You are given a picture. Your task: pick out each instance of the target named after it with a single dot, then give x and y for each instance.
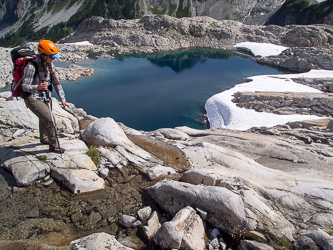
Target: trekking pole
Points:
(47, 99)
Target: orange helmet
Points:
(47, 47)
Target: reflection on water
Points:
(169, 89)
(184, 59)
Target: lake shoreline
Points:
(169, 90)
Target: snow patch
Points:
(80, 43)
(261, 49)
(223, 113)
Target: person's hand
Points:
(64, 104)
(42, 86)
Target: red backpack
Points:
(21, 56)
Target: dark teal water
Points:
(162, 90)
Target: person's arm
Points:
(28, 78)
(57, 86)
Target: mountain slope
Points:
(32, 20)
(303, 12)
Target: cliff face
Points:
(11, 12)
(252, 11)
(303, 13)
(24, 18)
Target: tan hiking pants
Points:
(46, 129)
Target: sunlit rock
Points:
(184, 231)
(159, 171)
(106, 132)
(78, 180)
(97, 241)
(173, 134)
(26, 168)
(144, 213)
(153, 225)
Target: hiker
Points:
(37, 90)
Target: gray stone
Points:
(160, 171)
(5, 94)
(127, 241)
(304, 242)
(322, 239)
(253, 245)
(113, 156)
(172, 196)
(210, 247)
(215, 233)
(194, 176)
(94, 217)
(48, 183)
(127, 220)
(173, 134)
(153, 225)
(76, 217)
(78, 180)
(25, 168)
(108, 213)
(215, 243)
(136, 224)
(97, 241)
(18, 133)
(202, 213)
(26, 119)
(186, 231)
(104, 172)
(74, 147)
(223, 245)
(106, 132)
(330, 125)
(210, 180)
(144, 213)
(306, 36)
(7, 133)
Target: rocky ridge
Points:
(263, 188)
(286, 103)
(155, 30)
(46, 15)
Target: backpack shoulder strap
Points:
(34, 63)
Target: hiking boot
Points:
(57, 150)
(46, 142)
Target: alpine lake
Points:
(160, 90)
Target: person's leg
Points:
(42, 133)
(41, 110)
(42, 129)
